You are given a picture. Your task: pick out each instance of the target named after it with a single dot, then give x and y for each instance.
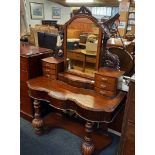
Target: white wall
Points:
(65, 12)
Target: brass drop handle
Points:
(102, 92)
(103, 86)
(47, 65)
(104, 79)
(47, 70)
(48, 75)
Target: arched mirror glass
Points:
(82, 45)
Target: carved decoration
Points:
(111, 60)
(109, 24)
(111, 28)
(83, 10)
(88, 146)
(37, 122)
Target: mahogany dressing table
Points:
(91, 93)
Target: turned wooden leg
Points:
(37, 122)
(88, 146)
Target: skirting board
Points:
(114, 132)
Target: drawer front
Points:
(105, 86)
(49, 71)
(23, 75)
(105, 92)
(48, 65)
(49, 76)
(23, 64)
(105, 79)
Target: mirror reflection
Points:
(82, 43)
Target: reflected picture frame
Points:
(36, 10)
(56, 12)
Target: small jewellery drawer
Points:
(105, 79)
(48, 65)
(50, 76)
(105, 86)
(105, 92)
(49, 71)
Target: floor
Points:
(57, 142)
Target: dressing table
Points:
(79, 84)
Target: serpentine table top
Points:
(75, 99)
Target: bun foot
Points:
(88, 146)
(38, 126)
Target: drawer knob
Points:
(103, 86)
(47, 70)
(104, 79)
(102, 92)
(47, 65)
(48, 75)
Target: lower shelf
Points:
(55, 120)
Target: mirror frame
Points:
(83, 13)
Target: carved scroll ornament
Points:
(111, 60)
(83, 10)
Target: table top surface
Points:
(87, 99)
(53, 60)
(29, 51)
